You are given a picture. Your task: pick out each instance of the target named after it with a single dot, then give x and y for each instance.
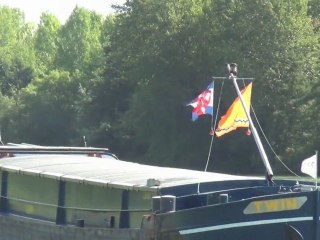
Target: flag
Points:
(235, 116)
(309, 166)
(203, 104)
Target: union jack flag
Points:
(203, 104)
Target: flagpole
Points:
(316, 169)
(209, 154)
(233, 76)
(317, 200)
(212, 107)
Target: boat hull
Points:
(97, 198)
(277, 217)
(288, 216)
(13, 227)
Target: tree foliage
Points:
(124, 82)
(46, 41)
(16, 52)
(45, 114)
(80, 46)
(176, 45)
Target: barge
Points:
(60, 193)
(94, 195)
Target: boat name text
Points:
(275, 205)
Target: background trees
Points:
(124, 81)
(46, 42)
(16, 55)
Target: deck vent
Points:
(112, 221)
(223, 198)
(80, 223)
(156, 204)
(167, 203)
(151, 182)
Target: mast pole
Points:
(316, 169)
(233, 76)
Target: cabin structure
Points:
(93, 188)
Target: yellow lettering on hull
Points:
(275, 205)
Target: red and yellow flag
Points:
(235, 116)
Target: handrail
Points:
(35, 149)
(49, 149)
(75, 208)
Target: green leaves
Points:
(46, 41)
(46, 109)
(80, 46)
(165, 51)
(123, 82)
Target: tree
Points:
(79, 48)
(161, 55)
(16, 52)
(150, 53)
(45, 111)
(46, 41)
(80, 51)
(314, 13)
(103, 101)
(274, 42)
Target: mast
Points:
(316, 169)
(232, 68)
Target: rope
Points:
(71, 207)
(267, 141)
(271, 148)
(209, 154)
(213, 126)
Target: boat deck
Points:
(109, 171)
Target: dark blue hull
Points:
(97, 198)
(277, 217)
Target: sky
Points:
(60, 8)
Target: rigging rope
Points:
(268, 142)
(213, 126)
(271, 148)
